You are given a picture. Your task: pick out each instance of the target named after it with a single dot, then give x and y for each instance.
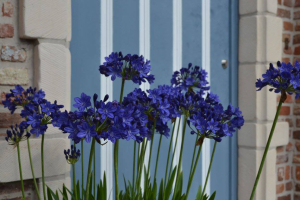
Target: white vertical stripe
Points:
(144, 45)
(106, 87)
(177, 61)
(206, 65)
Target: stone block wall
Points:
(34, 42)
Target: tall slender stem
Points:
(116, 150)
(151, 146)
(157, 157)
(169, 151)
(266, 149)
(87, 191)
(20, 170)
(181, 148)
(74, 181)
(193, 159)
(32, 170)
(178, 128)
(43, 169)
(192, 172)
(209, 168)
(133, 171)
(94, 161)
(82, 170)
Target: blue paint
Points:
(191, 53)
(224, 83)
(85, 51)
(125, 39)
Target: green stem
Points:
(116, 150)
(193, 159)
(192, 172)
(94, 173)
(20, 170)
(87, 191)
(181, 149)
(74, 181)
(32, 170)
(209, 168)
(178, 128)
(151, 146)
(82, 170)
(266, 149)
(141, 163)
(157, 157)
(133, 171)
(43, 169)
(169, 151)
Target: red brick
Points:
(286, 60)
(297, 144)
(288, 51)
(287, 172)
(13, 54)
(2, 97)
(7, 119)
(288, 26)
(296, 159)
(279, 188)
(286, 197)
(289, 147)
(290, 121)
(6, 31)
(296, 39)
(297, 3)
(7, 9)
(288, 3)
(296, 110)
(281, 159)
(285, 110)
(286, 36)
(296, 197)
(296, 135)
(297, 187)
(297, 15)
(279, 1)
(283, 13)
(280, 149)
(289, 186)
(298, 173)
(280, 173)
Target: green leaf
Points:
(52, 194)
(199, 192)
(213, 195)
(161, 190)
(65, 194)
(168, 190)
(49, 194)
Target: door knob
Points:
(224, 63)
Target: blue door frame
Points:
(85, 51)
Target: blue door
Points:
(171, 33)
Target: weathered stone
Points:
(12, 76)
(13, 54)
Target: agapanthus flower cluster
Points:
(189, 78)
(37, 111)
(210, 119)
(102, 120)
(160, 106)
(129, 67)
(284, 79)
(17, 133)
(72, 155)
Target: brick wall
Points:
(34, 51)
(288, 157)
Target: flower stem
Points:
(157, 157)
(82, 170)
(43, 169)
(151, 146)
(20, 170)
(169, 151)
(32, 170)
(181, 148)
(87, 191)
(178, 127)
(209, 168)
(116, 150)
(193, 159)
(266, 149)
(133, 171)
(94, 161)
(74, 181)
(193, 169)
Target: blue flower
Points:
(34, 120)
(17, 134)
(72, 155)
(86, 131)
(47, 108)
(38, 129)
(107, 110)
(18, 90)
(83, 102)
